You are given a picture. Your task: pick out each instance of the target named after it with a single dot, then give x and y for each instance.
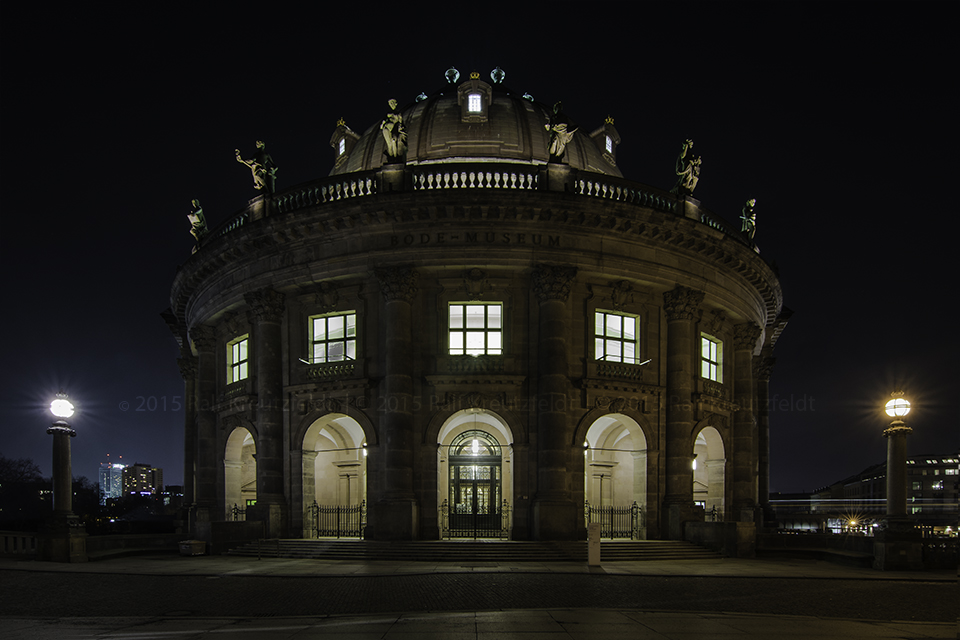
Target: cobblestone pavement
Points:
(28, 594)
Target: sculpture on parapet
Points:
(561, 133)
(749, 218)
(394, 134)
(688, 170)
(198, 223)
(263, 168)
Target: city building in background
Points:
(142, 480)
(111, 480)
(858, 503)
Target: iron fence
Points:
(337, 521)
(615, 522)
(467, 524)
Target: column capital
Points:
(398, 283)
(681, 303)
(763, 368)
(188, 365)
(553, 282)
(266, 305)
(745, 335)
(203, 337)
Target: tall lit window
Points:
(615, 337)
(476, 329)
(343, 145)
(711, 358)
(238, 360)
(474, 103)
(609, 144)
(333, 337)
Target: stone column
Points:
(265, 315)
(681, 306)
(188, 369)
(745, 453)
(205, 444)
(898, 544)
(554, 513)
(308, 466)
(394, 516)
(763, 367)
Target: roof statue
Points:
(263, 168)
(498, 75)
(749, 218)
(198, 223)
(560, 133)
(394, 134)
(452, 75)
(688, 170)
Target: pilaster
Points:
(745, 451)
(188, 369)
(762, 369)
(681, 306)
(554, 513)
(265, 314)
(205, 447)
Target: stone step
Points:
(472, 551)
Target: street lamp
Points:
(63, 539)
(896, 434)
(61, 431)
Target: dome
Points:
(498, 125)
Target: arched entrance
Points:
(334, 477)
(709, 464)
(615, 476)
(239, 473)
(475, 476)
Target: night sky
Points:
(839, 118)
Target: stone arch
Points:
(239, 470)
(463, 421)
(615, 462)
(709, 472)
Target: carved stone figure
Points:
(561, 133)
(687, 170)
(263, 168)
(394, 134)
(749, 218)
(198, 223)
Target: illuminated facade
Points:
(472, 340)
(111, 481)
(142, 479)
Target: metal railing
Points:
(495, 524)
(336, 520)
(615, 522)
(237, 514)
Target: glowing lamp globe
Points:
(61, 407)
(897, 407)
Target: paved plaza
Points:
(222, 597)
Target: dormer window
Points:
(343, 146)
(607, 138)
(474, 97)
(609, 144)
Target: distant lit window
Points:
(937, 486)
(474, 103)
(333, 337)
(609, 144)
(615, 337)
(343, 145)
(475, 329)
(916, 486)
(238, 360)
(916, 509)
(711, 358)
(951, 472)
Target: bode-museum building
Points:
(474, 326)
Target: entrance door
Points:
(475, 486)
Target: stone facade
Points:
(288, 407)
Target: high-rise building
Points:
(142, 479)
(111, 480)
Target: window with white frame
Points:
(333, 337)
(475, 103)
(616, 337)
(711, 358)
(475, 328)
(238, 359)
(609, 144)
(342, 146)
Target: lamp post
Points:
(64, 538)
(898, 544)
(62, 466)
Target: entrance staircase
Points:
(460, 551)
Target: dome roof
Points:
(503, 126)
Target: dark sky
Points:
(839, 118)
